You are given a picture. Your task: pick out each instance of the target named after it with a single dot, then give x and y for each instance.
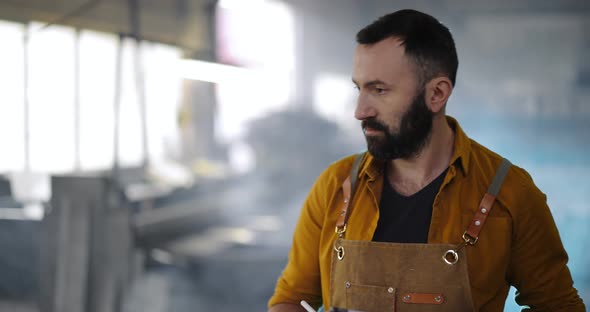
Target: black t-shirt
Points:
(406, 219)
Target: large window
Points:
(59, 98)
(245, 39)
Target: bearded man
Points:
(427, 219)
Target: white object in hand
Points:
(306, 306)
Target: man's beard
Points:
(414, 131)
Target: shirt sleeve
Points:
(538, 264)
(300, 280)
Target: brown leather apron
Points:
(381, 277)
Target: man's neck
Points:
(408, 176)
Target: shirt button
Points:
(390, 290)
(347, 284)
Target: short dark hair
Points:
(427, 42)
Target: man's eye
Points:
(380, 90)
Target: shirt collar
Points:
(461, 146)
(461, 153)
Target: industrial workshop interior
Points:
(156, 153)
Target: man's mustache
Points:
(373, 124)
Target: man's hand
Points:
(286, 307)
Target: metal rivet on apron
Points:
(407, 297)
(437, 298)
(477, 223)
(451, 257)
(347, 284)
(390, 290)
(483, 210)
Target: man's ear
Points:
(438, 90)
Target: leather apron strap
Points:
(348, 188)
(487, 202)
(471, 235)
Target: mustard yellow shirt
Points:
(519, 244)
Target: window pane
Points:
(51, 97)
(12, 157)
(130, 146)
(98, 54)
(162, 86)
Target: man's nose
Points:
(364, 109)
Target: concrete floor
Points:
(15, 306)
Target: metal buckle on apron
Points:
(339, 252)
(451, 256)
(340, 230)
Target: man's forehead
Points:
(384, 60)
